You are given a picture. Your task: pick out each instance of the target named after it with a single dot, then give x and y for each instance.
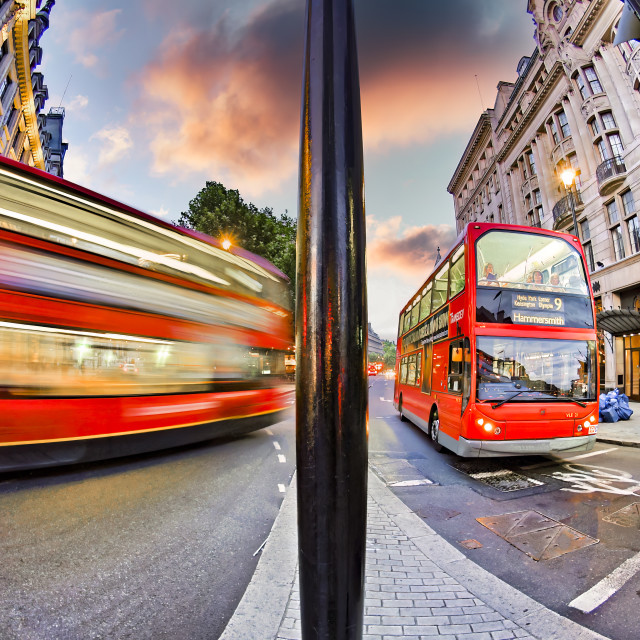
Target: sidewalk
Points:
(623, 432)
(417, 586)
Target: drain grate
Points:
(627, 517)
(497, 477)
(537, 535)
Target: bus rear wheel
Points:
(402, 418)
(434, 430)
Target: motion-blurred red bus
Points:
(120, 333)
(497, 350)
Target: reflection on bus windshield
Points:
(535, 369)
(529, 261)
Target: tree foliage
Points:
(389, 356)
(222, 213)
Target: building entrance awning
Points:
(619, 322)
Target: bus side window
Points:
(466, 373)
(418, 367)
(403, 370)
(454, 379)
(428, 362)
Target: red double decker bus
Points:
(121, 334)
(496, 351)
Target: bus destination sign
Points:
(541, 308)
(434, 329)
(535, 308)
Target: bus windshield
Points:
(535, 369)
(529, 261)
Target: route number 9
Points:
(558, 303)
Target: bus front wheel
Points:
(434, 430)
(402, 418)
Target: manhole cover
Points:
(471, 544)
(627, 517)
(537, 535)
(497, 477)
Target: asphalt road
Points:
(157, 546)
(593, 498)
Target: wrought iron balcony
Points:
(610, 174)
(562, 208)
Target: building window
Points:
(616, 144)
(554, 131)
(532, 163)
(581, 86)
(584, 230)
(603, 150)
(4, 87)
(628, 203)
(618, 246)
(595, 127)
(588, 252)
(607, 120)
(592, 79)
(564, 124)
(537, 196)
(634, 234)
(612, 210)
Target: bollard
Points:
(331, 331)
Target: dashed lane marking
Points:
(608, 586)
(277, 446)
(281, 458)
(556, 460)
(281, 488)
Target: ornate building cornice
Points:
(480, 134)
(23, 68)
(532, 110)
(579, 34)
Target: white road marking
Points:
(410, 483)
(277, 446)
(584, 455)
(281, 458)
(260, 548)
(281, 488)
(602, 591)
(592, 453)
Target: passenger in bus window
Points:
(488, 272)
(537, 280)
(554, 282)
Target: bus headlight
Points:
(487, 426)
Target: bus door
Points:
(450, 402)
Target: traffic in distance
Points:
(121, 333)
(496, 352)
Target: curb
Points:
(620, 443)
(527, 613)
(263, 606)
(260, 612)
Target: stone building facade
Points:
(576, 102)
(375, 343)
(26, 134)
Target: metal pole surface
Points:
(573, 208)
(331, 331)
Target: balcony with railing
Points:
(610, 174)
(562, 215)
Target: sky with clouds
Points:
(161, 96)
